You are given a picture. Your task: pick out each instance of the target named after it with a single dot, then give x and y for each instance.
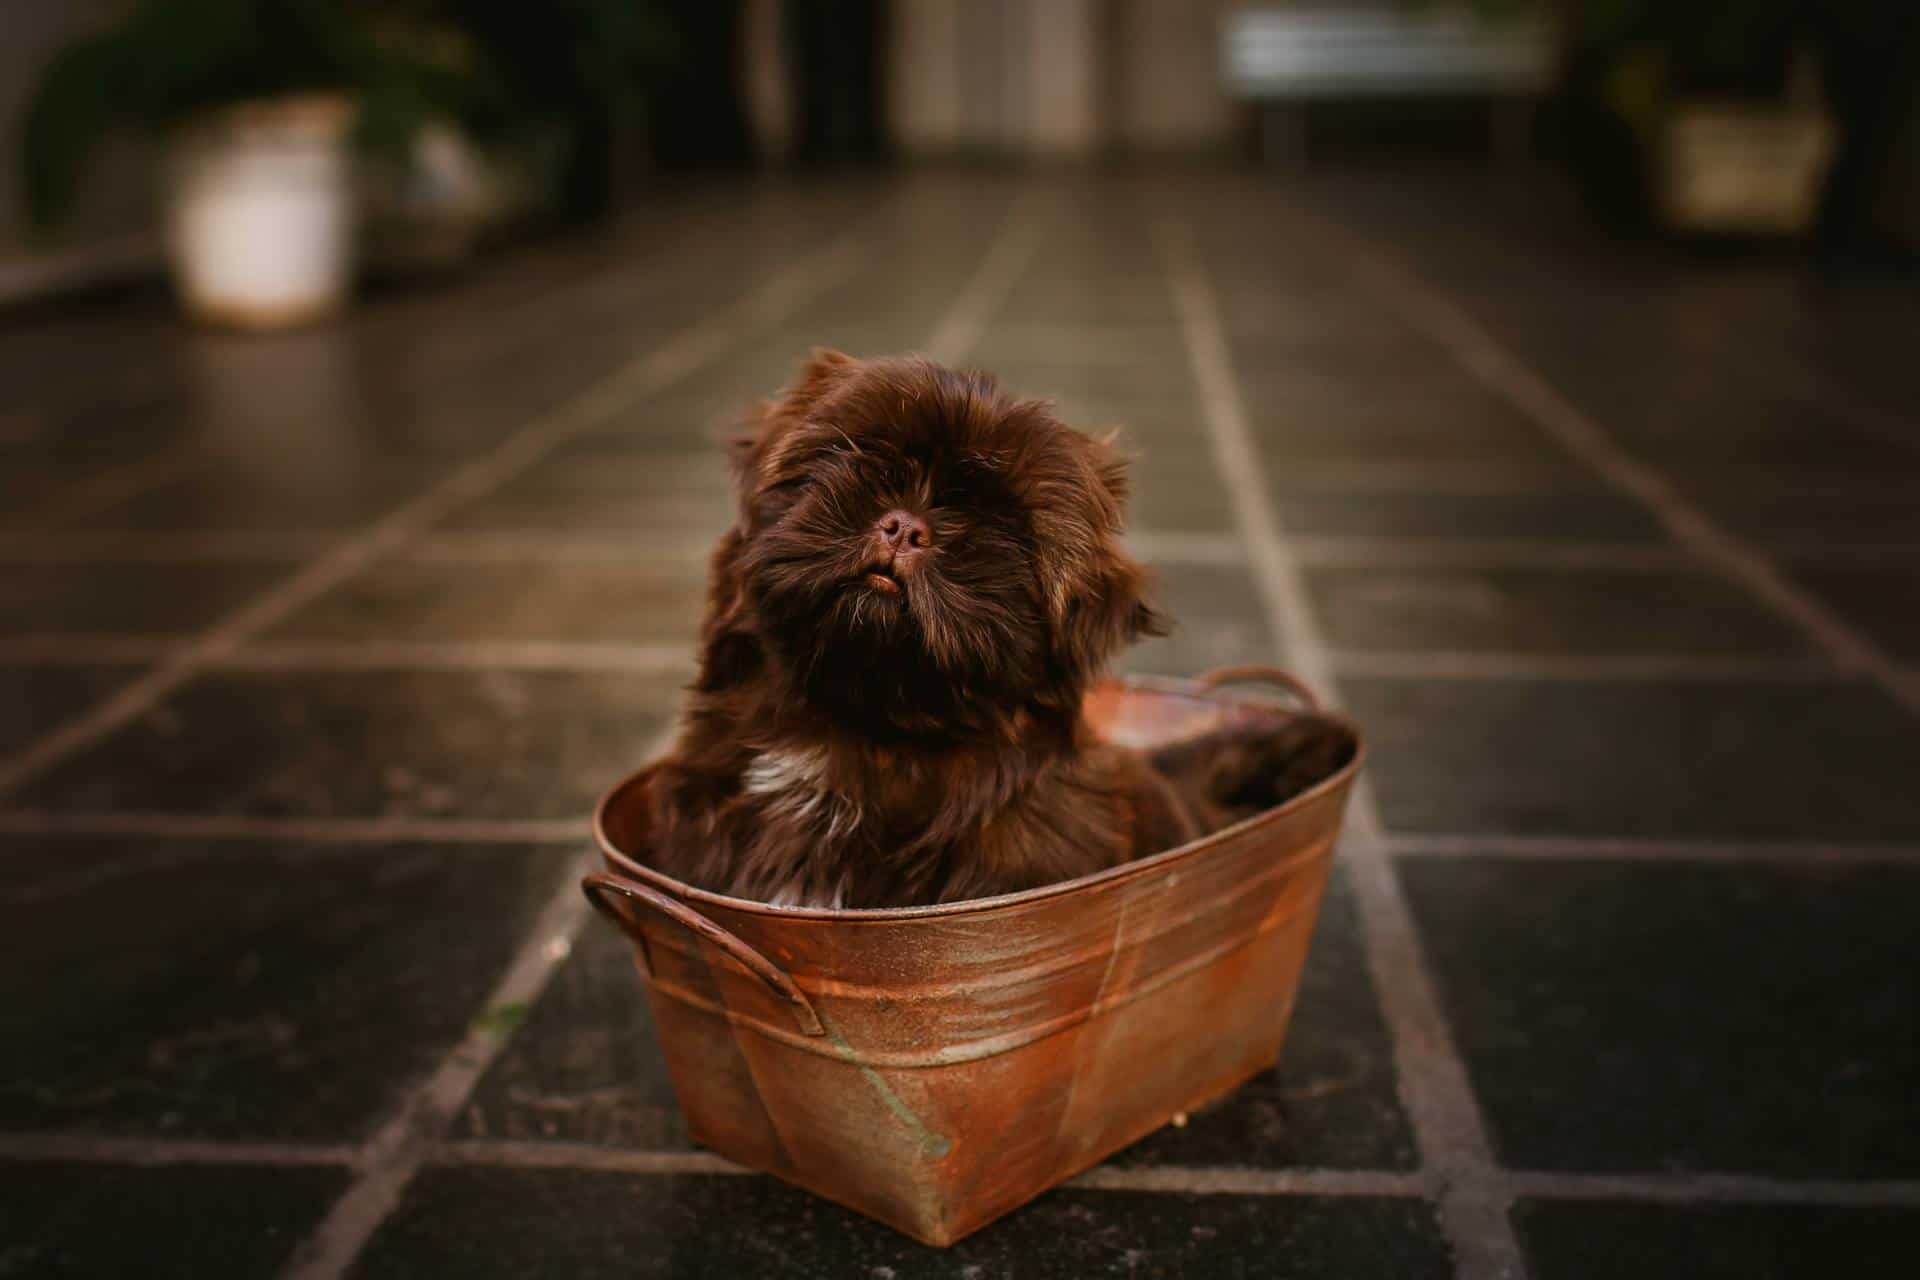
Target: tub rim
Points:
(1192, 689)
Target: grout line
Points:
(689, 349)
(1217, 549)
(1123, 345)
(395, 1153)
(138, 824)
(643, 659)
(672, 660)
(87, 1148)
(1482, 479)
(1448, 324)
(666, 547)
(1716, 1188)
(1832, 553)
(403, 1144)
(87, 649)
(965, 320)
(349, 655)
(221, 546)
(485, 547)
(116, 484)
(217, 826)
(1446, 664)
(451, 546)
(1743, 480)
(1236, 1181)
(561, 1155)
(1790, 370)
(1433, 1081)
(475, 546)
(1487, 553)
(1620, 849)
(1665, 1188)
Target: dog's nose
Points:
(904, 533)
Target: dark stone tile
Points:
(1141, 299)
(1218, 621)
(32, 487)
(692, 426)
(22, 492)
(1798, 518)
(653, 599)
(1131, 350)
(152, 599)
(1303, 415)
(293, 490)
(1315, 475)
(1817, 475)
(1696, 1017)
(1284, 446)
(1164, 381)
(1733, 761)
(1570, 517)
(1323, 331)
(1150, 433)
(243, 989)
(861, 326)
(1593, 1240)
(35, 699)
(458, 744)
(78, 1220)
(1178, 491)
(1310, 393)
(734, 387)
(499, 1222)
(685, 495)
(1726, 422)
(586, 1066)
(106, 430)
(1884, 602)
(1542, 610)
(1332, 1102)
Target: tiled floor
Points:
(315, 650)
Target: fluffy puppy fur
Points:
(924, 577)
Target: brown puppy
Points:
(923, 579)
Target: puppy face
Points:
(918, 547)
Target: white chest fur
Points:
(791, 785)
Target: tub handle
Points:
(598, 885)
(1256, 673)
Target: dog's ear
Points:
(1114, 466)
(754, 449)
(1110, 611)
(824, 369)
(729, 646)
(1097, 596)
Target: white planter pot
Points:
(1735, 167)
(260, 205)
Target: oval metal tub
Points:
(936, 1067)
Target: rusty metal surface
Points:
(936, 1067)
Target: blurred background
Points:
(1733, 117)
(1534, 376)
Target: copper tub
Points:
(936, 1067)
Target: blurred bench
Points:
(1280, 58)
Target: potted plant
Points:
(260, 106)
(1714, 105)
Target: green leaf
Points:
(503, 1019)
